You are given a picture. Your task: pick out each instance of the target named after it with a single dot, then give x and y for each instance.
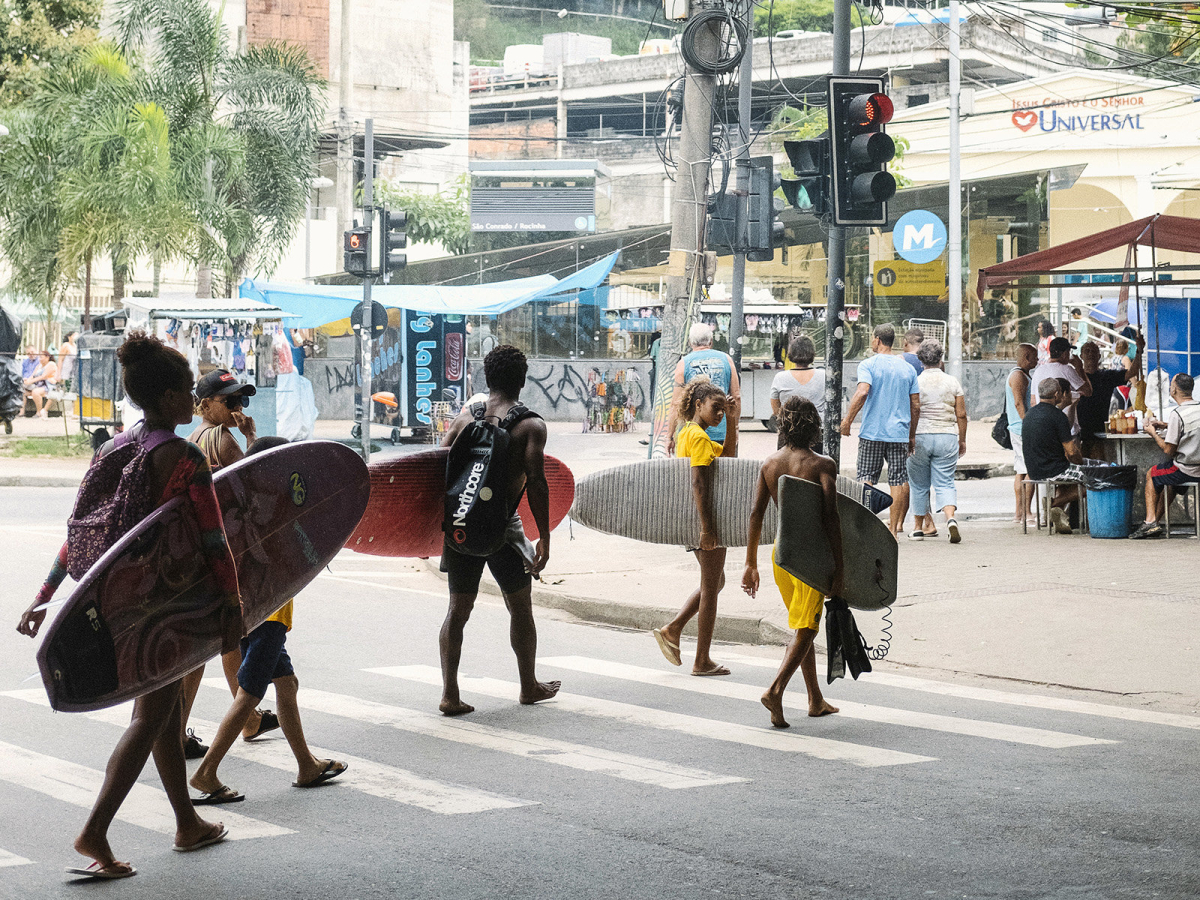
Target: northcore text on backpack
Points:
(477, 507)
(114, 497)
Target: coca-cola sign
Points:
(455, 355)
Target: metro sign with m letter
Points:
(919, 237)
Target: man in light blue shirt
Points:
(717, 367)
(889, 399)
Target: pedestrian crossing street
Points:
(65, 782)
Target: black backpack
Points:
(477, 508)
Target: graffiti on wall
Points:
(603, 398)
(340, 378)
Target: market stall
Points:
(242, 335)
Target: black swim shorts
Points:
(264, 658)
(463, 571)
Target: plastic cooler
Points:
(1110, 499)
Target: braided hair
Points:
(696, 392)
(799, 424)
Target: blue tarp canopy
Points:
(319, 304)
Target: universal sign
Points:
(1053, 120)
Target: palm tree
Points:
(244, 128)
(120, 195)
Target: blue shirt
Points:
(917, 365)
(28, 366)
(887, 413)
(716, 366)
(1014, 418)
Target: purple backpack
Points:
(114, 497)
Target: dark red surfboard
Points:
(146, 613)
(404, 515)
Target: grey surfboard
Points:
(652, 501)
(869, 551)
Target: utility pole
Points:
(689, 203)
(742, 192)
(835, 298)
(368, 326)
(954, 340)
(345, 127)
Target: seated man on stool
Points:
(1182, 448)
(1051, 453)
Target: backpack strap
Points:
(518, 412)
(157, 439)
(479, 411)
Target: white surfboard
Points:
(652, 501)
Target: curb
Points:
(734, 629)
(38, 481)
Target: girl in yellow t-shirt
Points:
(702, 404)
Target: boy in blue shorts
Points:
(264, 661)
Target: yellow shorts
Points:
(804, 603)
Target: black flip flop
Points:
(223, 794)
(268, 721)
(332, 769)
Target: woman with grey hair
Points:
(931, 465)
(803, 381)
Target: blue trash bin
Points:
(1110, 499)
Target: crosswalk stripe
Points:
(713, 729)
(562, 753)
(367, 776)
(375, 584)
(11, 859)
(991, 695)
(78, 785)
(997, 731)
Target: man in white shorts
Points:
(1016, 404)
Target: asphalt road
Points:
(639, 782)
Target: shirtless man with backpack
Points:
(497, 453)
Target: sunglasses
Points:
(236, 401)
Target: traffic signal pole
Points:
(366, 332)
(835, 297)
(954, 339)
(742, 192)
(689, 201)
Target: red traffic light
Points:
(871, 110)
(354, 241)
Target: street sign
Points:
(919, 236)
(900, 278)
(379, 318)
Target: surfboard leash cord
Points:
(880, 650)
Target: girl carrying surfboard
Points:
(159, 380)
(703, 405)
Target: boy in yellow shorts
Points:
(799, 429)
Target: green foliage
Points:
(797, 15)
(443, 218)
(244, 128)
(39, 35)
(76, 446)
(85, 172)
(490, 31)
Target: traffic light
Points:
(394, 239)
(809, 190)
(356, 259)
(860, 151)
(765, 232)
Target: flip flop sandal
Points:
(268, 721)
(223, 794)
(206, 842)
(669, 650)
(715, 670)
(104, 873)
(332, 769)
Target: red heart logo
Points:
(1024, 120)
